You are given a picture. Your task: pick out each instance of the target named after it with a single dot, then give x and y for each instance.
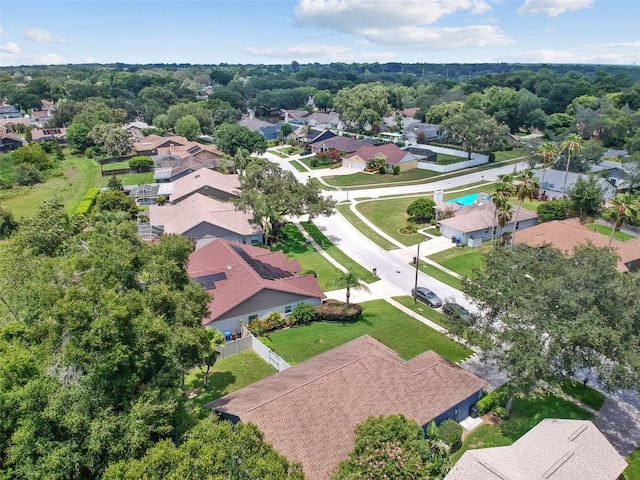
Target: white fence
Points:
(476, 159)
(628, 229)
(249, 342)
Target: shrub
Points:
(409, 229)
(450, 432)
(27, 174)
(274, 321)
(489, 402)
(139, 162)
(161, 200)
(314, 162)
(492, 157)
(302, 314)
(383, 170)
(335, 311)
(501, 412)
(396, 170)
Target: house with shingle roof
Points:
(49, 134)
(568, 234)
(207, 182)
(204, 218)
(309, 412)
(412, 131)
(248, 282)
(555, 449)
(10, 125)
(340, 143)
(554, 181)
(150, 144)
(390, 153)
(474, 219)
(10, 141)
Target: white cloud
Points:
(2, 32)
(7, 59)
(552, 8)
(563, 56)
(352, 16)
(616, 46)
(41, 36)
(316, 52)
(10, 47)
(405, 24)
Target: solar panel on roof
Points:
(194, 149)
(209, 281)
(266, 271)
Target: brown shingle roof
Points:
(552, 450)
(481, 215)
(391, 152)
(309, 412)
(242, 281)
(567, 234)
(344, 144)
(199, 209)
(204, 177)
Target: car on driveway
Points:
(453, 309)
(427, 296)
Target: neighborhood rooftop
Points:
(309, 412)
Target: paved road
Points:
(619, 418)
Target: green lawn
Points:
(379, 240)
(462, 260)
(390, 216)
(422, 309)
(632, 472)
(298, 166)
(360, 179)
(337, 254)
(605, 230)
(307, 162)
(130, 179)
(227, 376)
(526, 414)
(444, 159)
(438, 274)
(69, 183)
(294, 246)
(404, 334)
(115, 166)
(587, 395)
(277, 153)
(507, 155)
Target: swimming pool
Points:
(468, 199)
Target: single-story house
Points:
(324, 120)
(208, 182)
(340, 143)
(423, 154)
(320, 135)
(204, 218)
(150, 144)
(474, 219)
(413, 130)
(618, 173)
(170, 167)
(253, 124)
(48, 134)
(249, 282)
(10, 125)
(136, 129)
(390, 153)
(295, 116)
(9, 142)
(553, 183)
(568, 234)
(309, 412)
(555, 449)
(9, 111)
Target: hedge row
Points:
(88, 201)
(494, 402)
(330, 311)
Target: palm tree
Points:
(504, 215)
(549, 151)
(350, 280)
(216, 339)
(525, 188)
(573, 146)
(241, 160)
(624, 209)
(503, 190)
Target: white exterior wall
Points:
(484, 234)
(233, 323)
(346, 162)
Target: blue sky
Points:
(323, 31)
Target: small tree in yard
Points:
(216, 339)
(350, 280)
(140, 162)
(421, 210)
(114, 183)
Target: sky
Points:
(280, 31)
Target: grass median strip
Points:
(337, 254)
(298, 166)
(404, 334)
(379, 240)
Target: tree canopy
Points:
(550, 316)
(229, 138)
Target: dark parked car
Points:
(306, 151)
(453, 309)
(427, 296)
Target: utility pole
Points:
(415, 286)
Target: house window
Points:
(287, 309)
(517, 225)
(253, 317)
